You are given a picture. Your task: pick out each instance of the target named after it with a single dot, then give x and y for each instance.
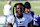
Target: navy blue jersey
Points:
(38, 19)
(32, 13)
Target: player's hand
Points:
(8, 25)
(35, 19)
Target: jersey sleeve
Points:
(32, 13)
(10, 9)
(30, 19)
(10, 19)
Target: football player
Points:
(21, 19)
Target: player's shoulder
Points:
(28, 17)
(27, 14)
(32, 11)
(10, 16)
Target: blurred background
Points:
(35, 6)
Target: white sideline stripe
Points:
(35, 1)
(37, 7)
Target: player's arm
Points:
(32, 13)
(35, 19)
(30, 24)
(10, 10)
(10, 20)
(9, 25)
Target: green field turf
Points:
(35, 6)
